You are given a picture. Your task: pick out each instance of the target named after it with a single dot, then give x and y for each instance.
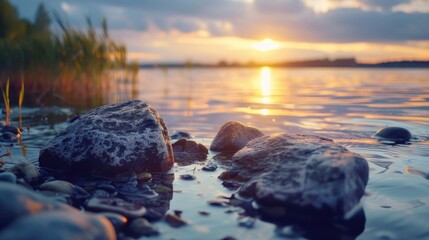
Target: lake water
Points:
(346, 105)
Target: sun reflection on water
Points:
(266, 85)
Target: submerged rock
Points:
(115, 205)
(7, 177)
(299, 175)
(53, 225)
(112, 139)
(233, 136)
(180, 135)
(141, 227)
(393, 134)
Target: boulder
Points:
(53, 225)
(110, 140)
(299, 175)
(233, 136)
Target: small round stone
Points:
(117, 220)
(144, 177)
(188, 177)
(141, 227)
(209, 167)
(393, 134)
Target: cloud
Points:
(384, 4)
(290, 20)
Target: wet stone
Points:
(117, 220)
(110, 140)
(298, 174)
(187, 151)
(209, 167)
(107, 187)
(217, 203)
(396, 135)
(7, 177)
(141, 227)
(188, 177)
(116, 205)
(59, 224)
(233, 136)
(174, 220)
(62, 187)
(144, 177)
(247, 222)
(26, 170)
(204, 213)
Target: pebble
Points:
(144, 177)
(204, 213)
(7, 177)
(187, 177)
(26, 170)
(117, 220)
(217, 203)
(247, 222)
(141, 227)
(63, 187)
(107, 187)
(174, 221)
(116, 205)
(209, 167)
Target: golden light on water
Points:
(266, 45)
(266, 84)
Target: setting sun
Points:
(265, 45)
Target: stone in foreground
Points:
(112, 139)
(299, 175)
(53, 225)
(233, 136)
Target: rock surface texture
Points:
(233, 136)
(112, 139)
(296, 174)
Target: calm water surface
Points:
(347, 105)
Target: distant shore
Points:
(341, 62)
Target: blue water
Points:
(346, 105)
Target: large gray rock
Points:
(54, 225)
(233, 136)
(288, 174)
(112, 139)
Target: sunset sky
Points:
(255, 30)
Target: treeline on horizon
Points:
(70, 61)
(324, 62)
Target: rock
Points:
(116, 205)
(8, 137)
(188, 151)
(393, 134)
(174, 221)
(26, 170)
(110, 140)
(187, 177)
(209, 167)
(141, 227)
(60, 186)
(107, 187)
(299, 175)
(17, 201)
(7, 177)
(233, 136)
(53, 225)
(144, 177)
(11, 129)
(180, 135)
(117, 220)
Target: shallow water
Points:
(347, 105)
